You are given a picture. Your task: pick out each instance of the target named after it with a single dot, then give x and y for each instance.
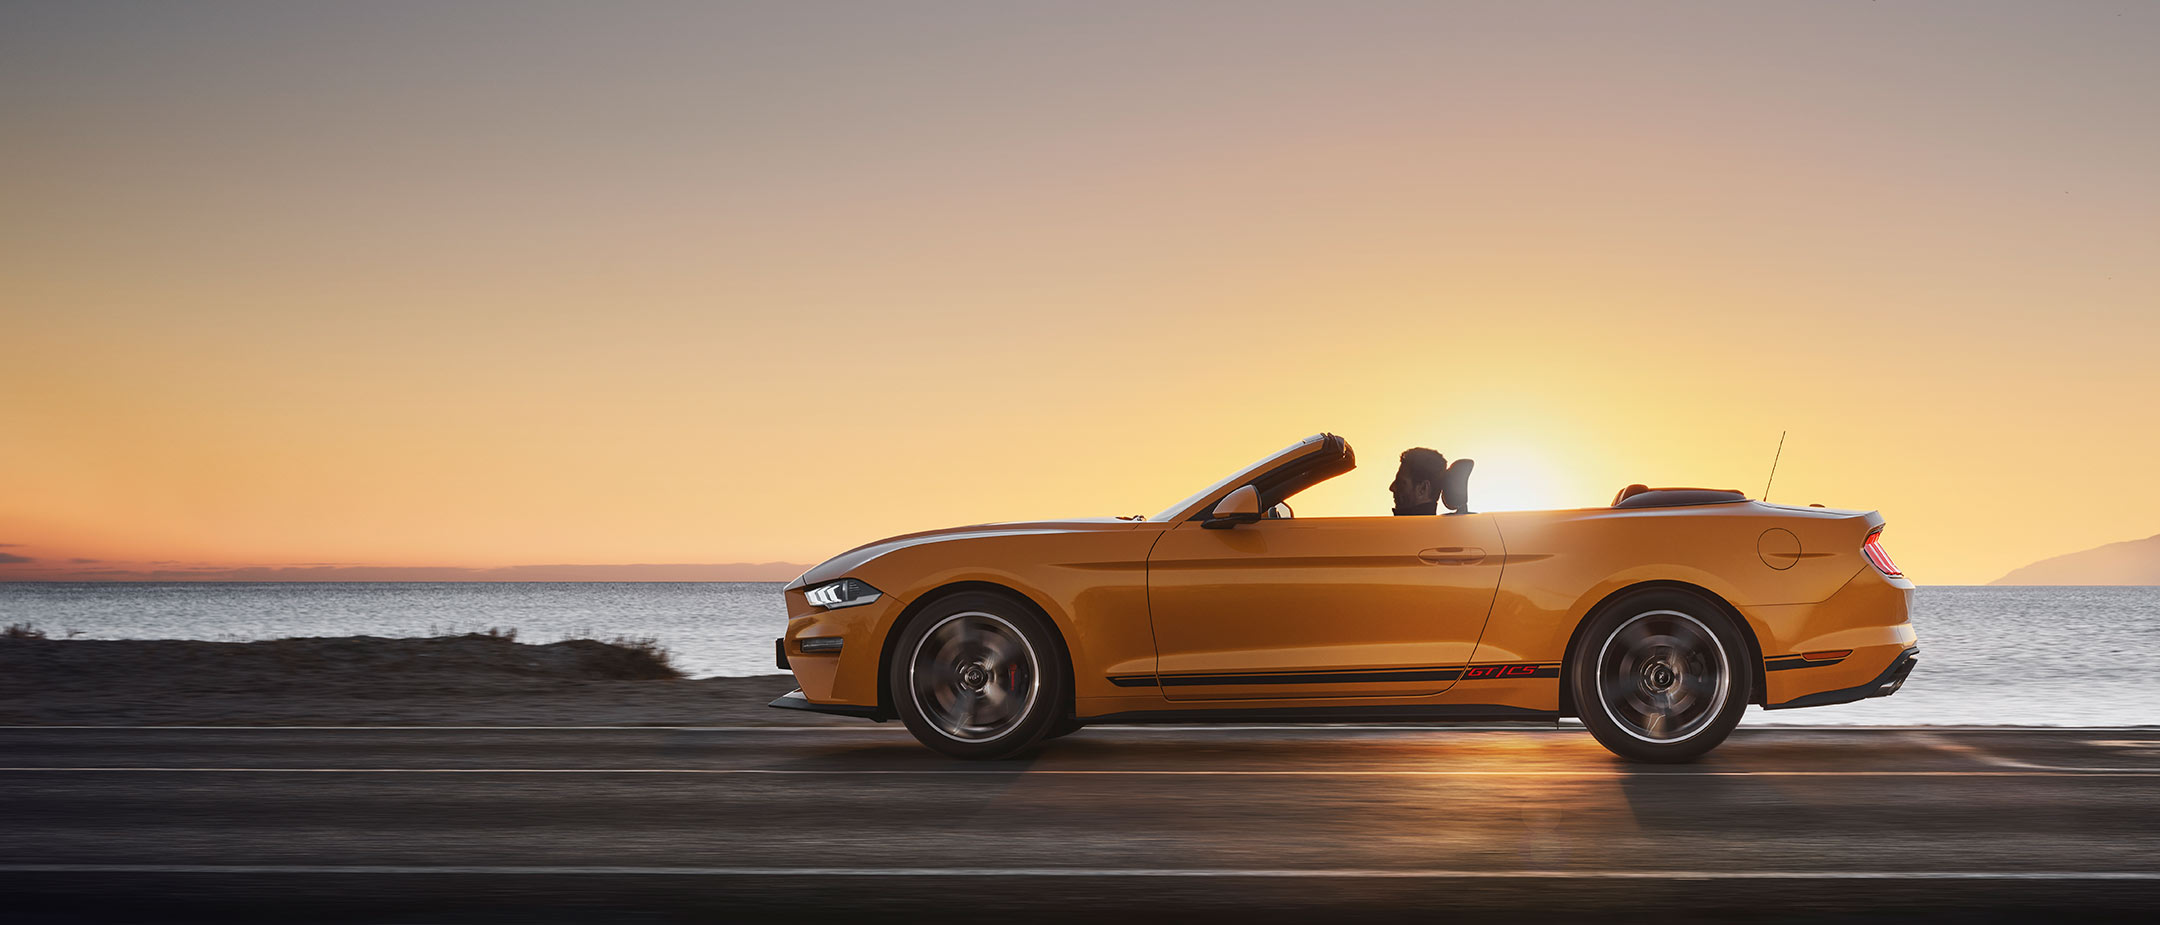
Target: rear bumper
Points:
(1815, 652)
(1883, 685)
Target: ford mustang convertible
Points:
(1656, 620)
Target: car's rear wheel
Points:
(1660, 676)
(978, 675)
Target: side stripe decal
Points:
(1480, 672)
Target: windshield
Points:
(1245, 473)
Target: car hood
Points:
(839, 566)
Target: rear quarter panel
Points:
(1562, 564)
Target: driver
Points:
(1417, 481)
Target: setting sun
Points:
(356, 291)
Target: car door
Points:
(1320, 607)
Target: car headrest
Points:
(1455, 486)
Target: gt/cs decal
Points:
(1525, 670)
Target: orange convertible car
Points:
(1656, 620)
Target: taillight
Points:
(1877, 557)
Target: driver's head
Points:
(1417, 481)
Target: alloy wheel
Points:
(1662, 676)
(974, 677)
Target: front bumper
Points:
(794, 700)
(834, 653)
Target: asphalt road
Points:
(1261, 823)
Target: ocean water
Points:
(1988, 655)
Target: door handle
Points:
(1452, 555)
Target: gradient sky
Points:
(489, 284)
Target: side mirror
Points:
(1238, 507)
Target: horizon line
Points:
(553, 572)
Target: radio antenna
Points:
(1773, 465)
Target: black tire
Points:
(1065, 726)
(1661, 676)
(978, 675)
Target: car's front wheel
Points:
(1660, 676)
(977, 675)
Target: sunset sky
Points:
(498, 284)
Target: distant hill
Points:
(2134, 562)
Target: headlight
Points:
(847, 592)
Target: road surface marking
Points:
(652, 728)
(1148, 872)
(1442, 727)
(1101, 772)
